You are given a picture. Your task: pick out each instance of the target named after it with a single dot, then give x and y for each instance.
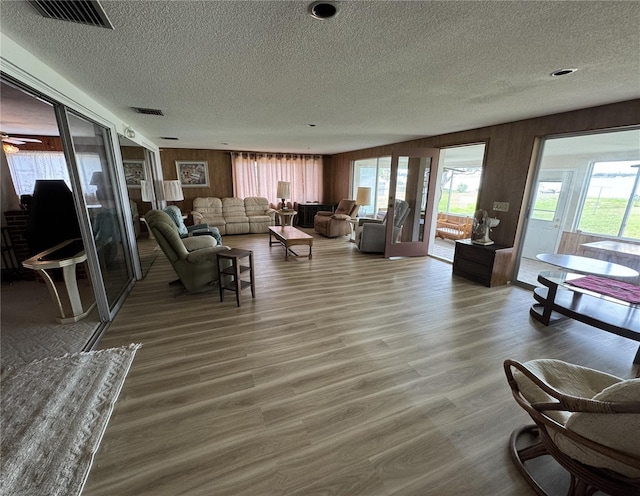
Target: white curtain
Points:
(27, 167)
(257, 174)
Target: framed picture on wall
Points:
(194, 174)
(133, 172)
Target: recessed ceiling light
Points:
(562, 72)
(323, 10)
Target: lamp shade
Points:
(363, 196)
(97, 178)
(8, 148)
(146, 188)
(172, 191)
(284, 190)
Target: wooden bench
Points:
(451, 226)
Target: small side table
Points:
(144, 221)
(65, 256)
(354, 229)
(230, 277)
(286, 217)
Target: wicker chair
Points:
(588, 421)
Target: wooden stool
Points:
(232, 273)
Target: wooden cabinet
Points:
(488, 265)
(306, 212)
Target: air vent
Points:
(88, 12)
(169, 138)
(147, 111)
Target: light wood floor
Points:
(348, 375)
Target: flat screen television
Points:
(52, 215)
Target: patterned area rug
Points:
(54, 413)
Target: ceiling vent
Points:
(147, 111)
(88, 12)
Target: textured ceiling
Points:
(254, 74)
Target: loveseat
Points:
(234, 215)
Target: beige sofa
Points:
(234, 215)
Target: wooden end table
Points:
(230, 277)
(286, 217)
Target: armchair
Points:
(197, 230)
(587, 421)
(371, 233)
(193, 259)
(333, 224)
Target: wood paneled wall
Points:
(220, 178)
(508, 156)
(49, 144)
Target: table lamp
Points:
(284, 192)
(97, 180)
(363, 197)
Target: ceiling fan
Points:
(18, 140)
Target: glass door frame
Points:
(105, 312)
(412, 248)
(61, 104)
(537, 156)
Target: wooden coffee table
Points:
(288, 236)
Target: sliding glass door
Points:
(96, 180)
(374, 173)
(70, 161)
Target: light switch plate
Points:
(501, 206)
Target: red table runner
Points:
(609, 287)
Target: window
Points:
(611, 204)
(257, 174)
(27, 167)
(374, 173)
(547, 200)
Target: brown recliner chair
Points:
(333, 224)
